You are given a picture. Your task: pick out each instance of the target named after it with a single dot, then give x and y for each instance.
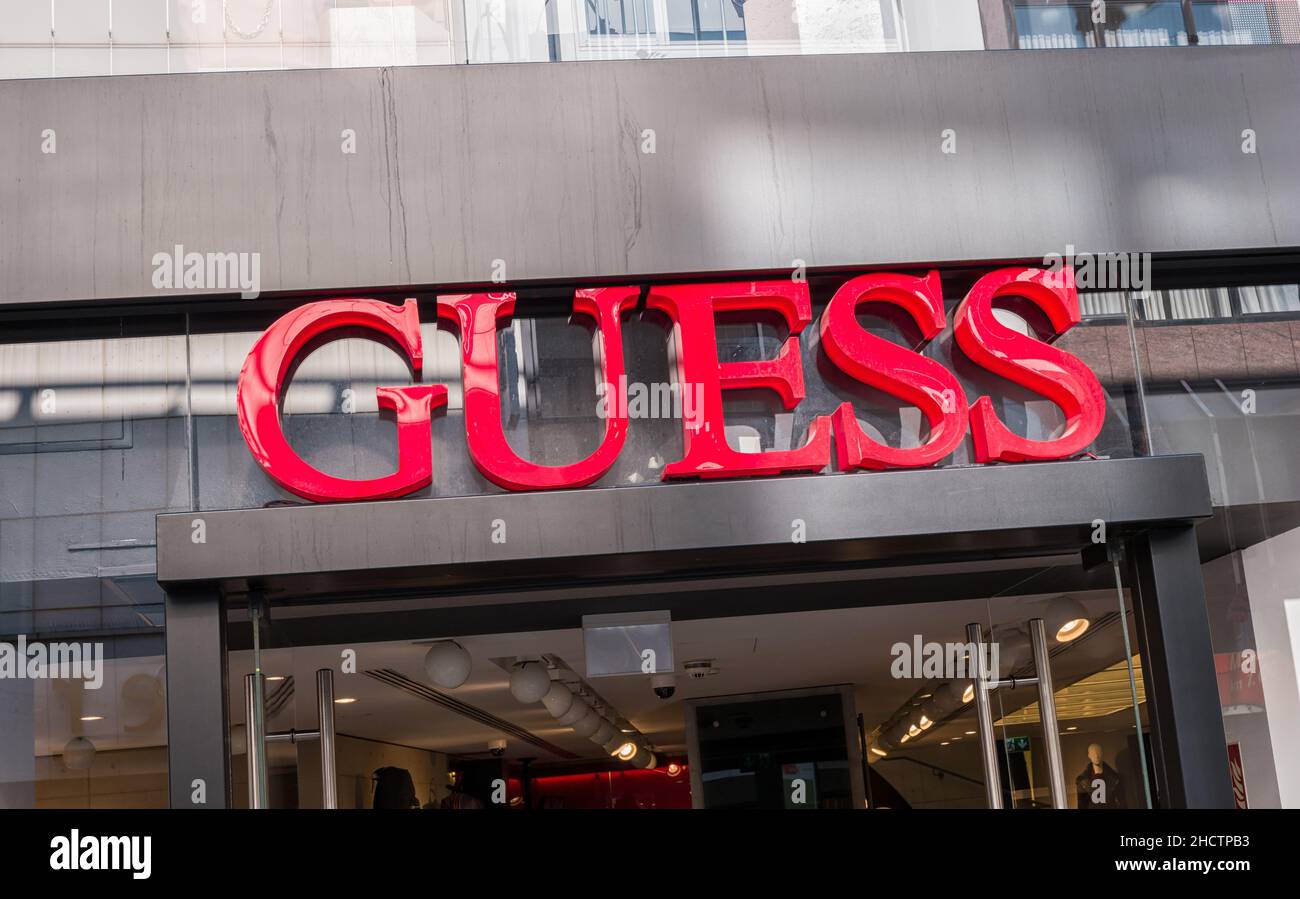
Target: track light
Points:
(1066, 618)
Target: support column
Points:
(1191, 758)
(198, 743)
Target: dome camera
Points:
(497, 747)
(664, 685)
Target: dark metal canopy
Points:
(679, 529)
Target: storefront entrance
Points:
(828, 669)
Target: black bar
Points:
(198, 744)
(1191, 769)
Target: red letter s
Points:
(1032, 364)
(899, 372)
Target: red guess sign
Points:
(902, 373)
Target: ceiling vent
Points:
(700, 669)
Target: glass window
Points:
(1227, 385)
(93, 444)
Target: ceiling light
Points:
(970, 733)
(577, 709)
(925, 723)
(969, 693)
(587, 724)
(1066, 618)
(674, 769)
(558, 699)
(78, 754)
(878, 751)
(92, 717)
(345, 700)
(626, 751)
(529, 682)
(447, 664)
(274, 677)
(914, 731)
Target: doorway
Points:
(854, 688)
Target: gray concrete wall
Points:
(835, 160)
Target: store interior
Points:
(765, 706)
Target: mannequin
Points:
(1099, 784)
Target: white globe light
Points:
(447, 664)
(78, 754)
(529, 682)
(558, 699)
(587, 724)
(578, 709)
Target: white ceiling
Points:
(753, 654)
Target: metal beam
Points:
(1191, 769)
(667, 528)
(198, 745)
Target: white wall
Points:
(1272, 571)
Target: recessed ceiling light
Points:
(970, 733)
(1072, 727)
(345, 700)
(944, 743)
(92, 717)
(271, 677)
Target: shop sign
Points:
(898, 371)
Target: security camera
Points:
(497, 747)
(664, 685)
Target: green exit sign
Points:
(1017, 744)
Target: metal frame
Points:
(854, 521)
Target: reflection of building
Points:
(133, 513)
